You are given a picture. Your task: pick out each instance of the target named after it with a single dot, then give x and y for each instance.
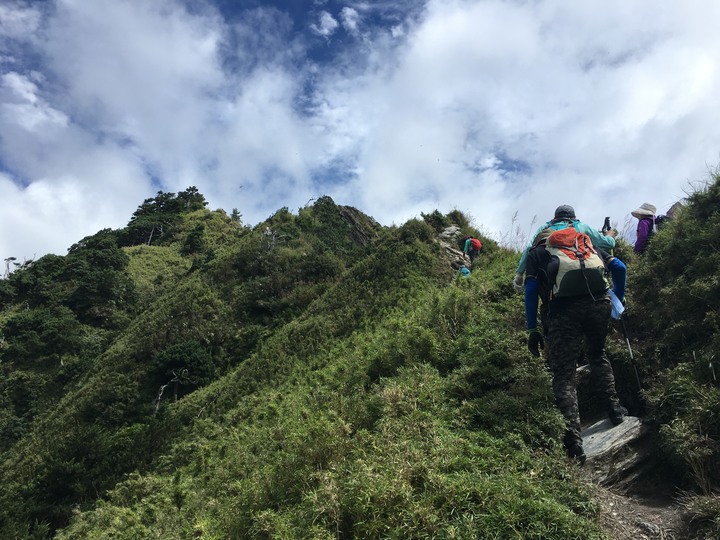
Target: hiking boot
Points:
(574, 447)
(575, 451)
(617, 414)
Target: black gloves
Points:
(535, 342)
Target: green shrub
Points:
(676, 284)
(436, 220)
(190, 359)
(40, 337)
(416, 230)
(687, 413)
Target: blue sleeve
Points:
(531, 302)
(618, 271)
(467, 246)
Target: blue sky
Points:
(501, 109)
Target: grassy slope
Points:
(359, 392)
(399, 405)
(675, 303)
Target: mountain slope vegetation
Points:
(322, 376)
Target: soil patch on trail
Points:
(635, 500)
(631, 517)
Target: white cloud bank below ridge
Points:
(490, 107)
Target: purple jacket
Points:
(644, 230)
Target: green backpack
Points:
(581, 270)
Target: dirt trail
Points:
(632, 517)
(639, 503)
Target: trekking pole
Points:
(632, 357)
(606, 226)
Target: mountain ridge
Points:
(333, 378)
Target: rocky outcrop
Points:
(364, 229)
(618, 455)
(448, 240)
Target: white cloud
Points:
(49, 215)
(351, 20)
(18, 20)
(491, 107)
(590, 100)
(397, 31)
(21, 105)
(326, 25)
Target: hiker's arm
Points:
(531, 302)
(599, 240)
(618, 271)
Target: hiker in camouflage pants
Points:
(575, 326)
(577, 330)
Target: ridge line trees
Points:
(156, 216)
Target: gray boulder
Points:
(617, 455)
(447, 240)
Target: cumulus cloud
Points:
(21, 104)
(496, 108)
(326, 25)
(571, 105)
(18, 20)
(350, 20)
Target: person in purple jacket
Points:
(646, 225)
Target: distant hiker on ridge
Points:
(472, 247)
(649, 223)
(576, 317)
(646, 225)
(565, 217)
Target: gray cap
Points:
(564, 211)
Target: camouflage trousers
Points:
(576, 330)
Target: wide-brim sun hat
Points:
(645, 210)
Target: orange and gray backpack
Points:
(581, 270)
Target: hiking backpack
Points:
(657, 223)
(475, 244)
(581, 270)
(660, 221)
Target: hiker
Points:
(646, 226)
(471, 248)
(564, 217)
(577, 319)
(539, 284)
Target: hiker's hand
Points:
(610, 232)
(518, 282)
(535, 342)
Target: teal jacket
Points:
(468, 246)
(599, 240)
